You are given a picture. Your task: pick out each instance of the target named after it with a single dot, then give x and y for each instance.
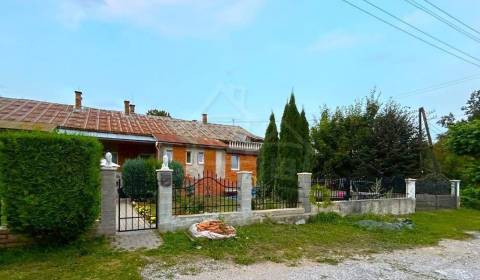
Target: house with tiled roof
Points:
(198, 145)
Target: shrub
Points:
(140, 178)
(178, 173)
(50, 183)
(320, 192)
(471, 197)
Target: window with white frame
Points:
(114, 157)
(169, 154)
(235, 162)
(200, 158)
(189, 157)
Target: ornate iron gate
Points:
(137, 207)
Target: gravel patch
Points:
(451, 259)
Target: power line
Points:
(440, 18)
(421, 31)
(411, 34)
(453, 17)
(438, 86)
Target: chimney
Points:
(132, 109)
(78, 99)
(204, 118)
(127, 107)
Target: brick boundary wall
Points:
(8, 239)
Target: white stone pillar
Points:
(455, 190)
(108, 202)
(410, 183)
(244, 191)
(164, 200)
(304, 187)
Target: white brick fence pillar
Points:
(304, 187)
(244, 185)
(108, 201)
(410, 191)
(455, 190)
(164, 199)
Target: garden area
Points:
(340, 238)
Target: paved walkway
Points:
(133, 219)
(134, 240)
(137, 239)
(450, 260)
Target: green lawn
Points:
(327, 239)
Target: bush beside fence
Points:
(49, 183)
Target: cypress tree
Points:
(307, 143)
(290, 155)
(268, 155)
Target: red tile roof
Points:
(109, 121)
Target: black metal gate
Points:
(137, 207)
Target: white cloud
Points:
(333, 41)
(183, 18)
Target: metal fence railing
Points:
(206, 193)
(273, 197)
(360, 189)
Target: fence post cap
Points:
(304, 173)
(164, 170)
(108, 168)
(455, 180)
(411, 179)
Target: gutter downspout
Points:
(159, 153)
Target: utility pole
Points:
(423, 115)
(420, 139)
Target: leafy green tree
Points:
(463, 139)
(451, 164)
(366, 139)
(472, 108)
(396, 149)
(159, 113)
(268, 155)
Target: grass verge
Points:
(327, 238)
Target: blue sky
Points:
(232, 59)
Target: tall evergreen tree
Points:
(268, 155)
(290, 154)
(307, 143)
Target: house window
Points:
(169, 155)
(235, 162)
(114, 157)
(200, 158)
(189, 157)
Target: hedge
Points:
(49, 183)
(139, 178)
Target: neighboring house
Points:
(199, 146)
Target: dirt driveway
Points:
(449, 260)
